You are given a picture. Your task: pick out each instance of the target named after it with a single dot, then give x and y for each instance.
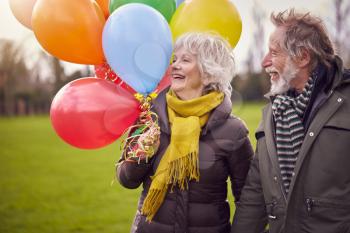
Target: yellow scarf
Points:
(180, 161)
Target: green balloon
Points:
(165, 7)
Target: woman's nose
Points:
(175, 65)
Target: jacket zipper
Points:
(309, 204)
(312, 113)
(279, 172)
(283, 192)
(271, 210)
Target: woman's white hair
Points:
(214, 57)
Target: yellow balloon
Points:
(220, 16)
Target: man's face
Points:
(278, 64)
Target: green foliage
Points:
(26, 91)
(49, 186)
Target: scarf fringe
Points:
(180, 171)
(183, 169)
(152, 202)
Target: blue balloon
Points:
(178, 2)
(137, 43)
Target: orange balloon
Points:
(70, 30)
(104, 4)
(22, 10)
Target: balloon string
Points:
(143, 137)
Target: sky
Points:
(11, 29)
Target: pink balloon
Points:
(22, 10)
(90, 113)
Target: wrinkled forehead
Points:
(277, 38)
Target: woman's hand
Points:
(146, 144)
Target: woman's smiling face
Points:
(186, 80)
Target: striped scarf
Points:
(288, 113)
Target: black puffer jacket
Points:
(224, 151)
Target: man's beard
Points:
(282, 84)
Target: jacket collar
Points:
(219, 114)
(342, 76)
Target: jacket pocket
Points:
(330, 155)
(339, 122)
(326, 215)
(312, 202)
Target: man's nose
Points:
(266, 62)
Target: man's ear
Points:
(304, 60)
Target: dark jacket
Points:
(224, 151)
(319, 194)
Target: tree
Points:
(14, 77)
(256, 51)
(253, 84)
(340, 26)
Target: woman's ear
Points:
(206, 80)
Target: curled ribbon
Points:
(143, 139)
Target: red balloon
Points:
(165, 82)
(90, 113)
(104, 71)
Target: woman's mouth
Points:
(178, 76)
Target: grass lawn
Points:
(48, 186)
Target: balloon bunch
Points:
(129, 42)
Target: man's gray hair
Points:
(214, 57)
(304, 31)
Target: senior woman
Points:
(201, 145)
